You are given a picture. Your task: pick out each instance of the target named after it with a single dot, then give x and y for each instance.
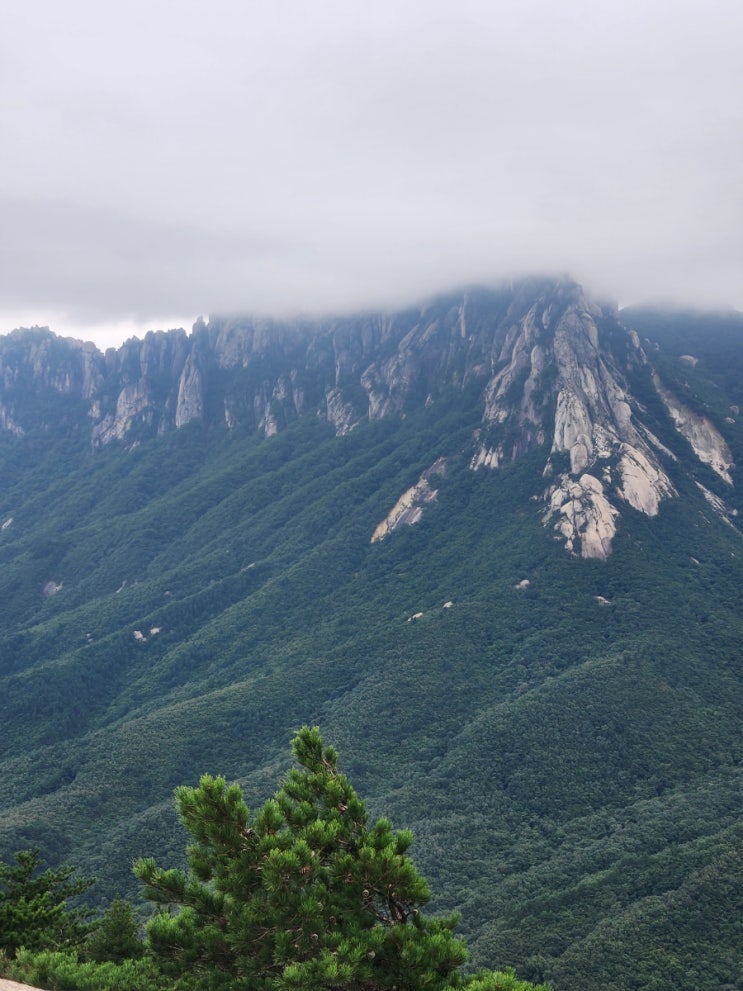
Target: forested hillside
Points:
(561, 732)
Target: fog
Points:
(162, 162)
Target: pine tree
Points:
(302, 894)
(116, 936)
(33, 906)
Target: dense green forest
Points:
(303, 894)
(564, 740)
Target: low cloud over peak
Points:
(332, 156)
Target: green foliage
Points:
(58, 971)
(33, 906)
(303, 894)
(500, 981)
(116, 936)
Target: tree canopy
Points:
(33, 905)
(304, 893)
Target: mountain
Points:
(491, 545)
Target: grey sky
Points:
(162, 160)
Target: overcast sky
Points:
(162, 160)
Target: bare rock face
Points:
(156, 383)
(642, 483)
(7, 985)
(585, 517)
(706, 441)
(558, 378)
(409, 507)
(46, 380)
(133, 401)
(550, 375)
(339, 413)
(8, 423)
(190, 402)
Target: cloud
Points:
(87, 257)
(285, 156)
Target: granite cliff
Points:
(549, 368)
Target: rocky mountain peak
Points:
(551, 368)
(557, 376)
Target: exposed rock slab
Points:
(6, 985)
(554, 366)
(409, 507)
(706, 440)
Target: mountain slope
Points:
(559, 727)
